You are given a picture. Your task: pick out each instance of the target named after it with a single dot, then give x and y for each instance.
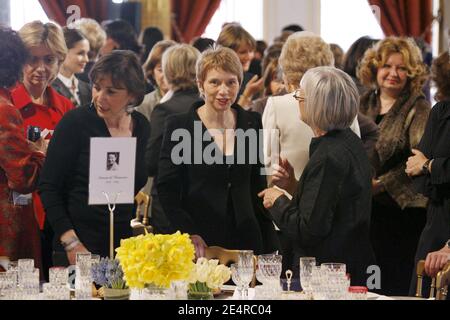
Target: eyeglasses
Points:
(299, 95)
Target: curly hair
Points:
(376, 57)
(441, 76)
(301, 52)
(13, 56)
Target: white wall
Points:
(279, 13)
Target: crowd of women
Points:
(357, 160)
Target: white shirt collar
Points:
(68, 83)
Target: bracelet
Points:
(72, 245)
(67, 243)
(426, 167)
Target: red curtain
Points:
(57, 9)
(406, 17)
(191, 17)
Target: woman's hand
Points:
(283, 176)
(270, 196)
(42, 145)
(199, 245)
(377, 187)
(415, 163)
(72, 245)
(252, 88)
(435, 261)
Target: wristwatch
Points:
(426, 167)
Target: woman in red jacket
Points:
(39, 104)
(20, 163)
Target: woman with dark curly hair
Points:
(118, 86)
(395, 72)
(431, 167)
(20, 163)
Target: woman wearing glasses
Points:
(329, 217)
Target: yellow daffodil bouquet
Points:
(156, 259)
(208, 275)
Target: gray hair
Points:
(331, 99)
(178, 64)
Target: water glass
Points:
(58, 276)
(334, 267)
(242, 276)
(83, 288)
(7, 282)
(55, 292)
(29, 283)
(306, 266)
(83, 265)
(246, 258)
(25, 265)
(271, 268)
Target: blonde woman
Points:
(301, 52)
(395, 72)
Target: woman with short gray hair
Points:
(329, 218)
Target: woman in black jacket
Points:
(431, 167)
(209, 174)
(329, 217)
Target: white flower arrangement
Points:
(208, 275)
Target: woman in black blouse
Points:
(119, 85)
(329, 216)
(211, 191)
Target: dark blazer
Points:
(216, 201)
(329, 217)
(64, 181)
(435, 145)
(180, 102)
(84, 91)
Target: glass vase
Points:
(199, 291)
(154, 292)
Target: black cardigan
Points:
(329, 217)
(435, 145)
(217, 201)
(64, 182)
